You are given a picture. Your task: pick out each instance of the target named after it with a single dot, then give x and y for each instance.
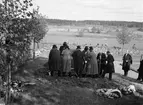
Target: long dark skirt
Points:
(126, 66)
(110, 68)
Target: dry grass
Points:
(67, 91)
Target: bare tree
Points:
(124, 37)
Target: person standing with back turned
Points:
(77, 59)
(54, 60)
(92, 64)
(66, 61)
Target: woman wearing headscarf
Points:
(92, 64)
(54, 60)
(66, 60)
(140, 70)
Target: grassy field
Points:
(90, 39)
(59, 34)
(68, 91)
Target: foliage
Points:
(80, 33)
(38, 26)
(93, 22)
(124, 36)
(95, 30)
(14, 31)
(15, 37)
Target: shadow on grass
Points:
(64, 90)
(127, 78)
(43, 92)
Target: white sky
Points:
(128, 10)
(124, 10)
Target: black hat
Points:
(90, 48)
(86, 48)
(108, 52)
(54, 46)
(78, 47)
(65, 44)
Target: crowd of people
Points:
(87, 63)
(84, 63)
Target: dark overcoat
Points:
(110, 64)
(101, 58)
(54, 59)
(127, 61)
(78, 62)
(140, 70)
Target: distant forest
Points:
(94, 22)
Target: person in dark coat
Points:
(101, 58)
(77, 59)
(109, 66)
(63, 47)
(140, 70)
(85, 59)
(54, 60)
(127, 61)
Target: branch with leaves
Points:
(15, 39)
(124, 36)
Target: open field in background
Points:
(107, 33)
(59, 34)
(89, 39)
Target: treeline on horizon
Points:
(94, 22)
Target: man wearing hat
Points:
(77, 59)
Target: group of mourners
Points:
(84, 63)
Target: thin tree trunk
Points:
(8, 93)
(123, 49)
(38, 45)
(7, 90)
(34, 48)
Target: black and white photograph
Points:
(71, 52)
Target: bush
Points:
(80, 34)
